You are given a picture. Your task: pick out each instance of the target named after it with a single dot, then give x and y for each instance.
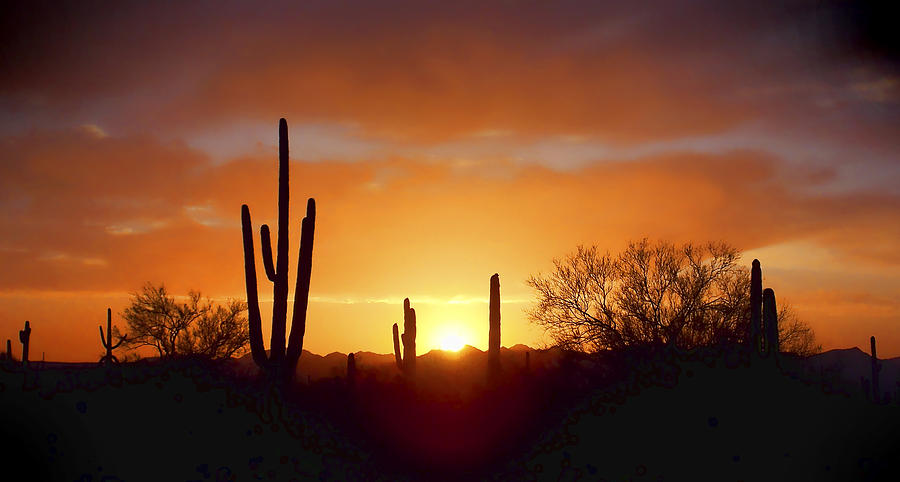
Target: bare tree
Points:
(651, 293)
(795, 336)
(221, 332)
(192, 327)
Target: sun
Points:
(451, 342)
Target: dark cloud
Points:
(424, 72)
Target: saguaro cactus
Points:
(755, 305)
(409, 339)
(279, 364)
(25, 337)
(9, 355)
(108, 344)
(397, 357)
(494, 328)
(407, 362)
(770, 322)
(876, 393)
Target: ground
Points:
(659, 416)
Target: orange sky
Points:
(442, 144)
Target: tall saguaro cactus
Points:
(876, 393)
(770, 322)
(279, 364)
(108, 343)
(406, 363)
(25, 338)
(494, 329)
(755, 305)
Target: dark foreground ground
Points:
(640, 416)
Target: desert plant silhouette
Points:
(351, 369)
(406, 363)
(108, 344)
(763, 315)
(755, 336)
(280, 365)
(770, 322)
(25, 338)
(494, 329)
(191, 327)
(656, 294)
(876, 368)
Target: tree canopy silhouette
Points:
(653, 293)
(193, 327)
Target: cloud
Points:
(159, 211)
(413, 73)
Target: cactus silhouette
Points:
(397, 357)
(406, 363)
(494, 330)
(755, 305)
(279, 364)
(876, 367)
(25, 338)
(9, 355)
(351, 369)
(770, 322)
(108, 344)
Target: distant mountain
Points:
(850, 365)
(466, 366)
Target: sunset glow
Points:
(452, 342)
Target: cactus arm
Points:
(301, 291)
(279, 304)
(397, 357)
(266, 240)
(253, 317)
(121, 340)
(102, 339)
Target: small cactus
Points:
(25, 337)
(108, 344)
(494, 328)
(876, 367)
(770, 322)
(9, 355)
(398, 358)
(351, 369)
(407, 362)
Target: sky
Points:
(443, 142)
